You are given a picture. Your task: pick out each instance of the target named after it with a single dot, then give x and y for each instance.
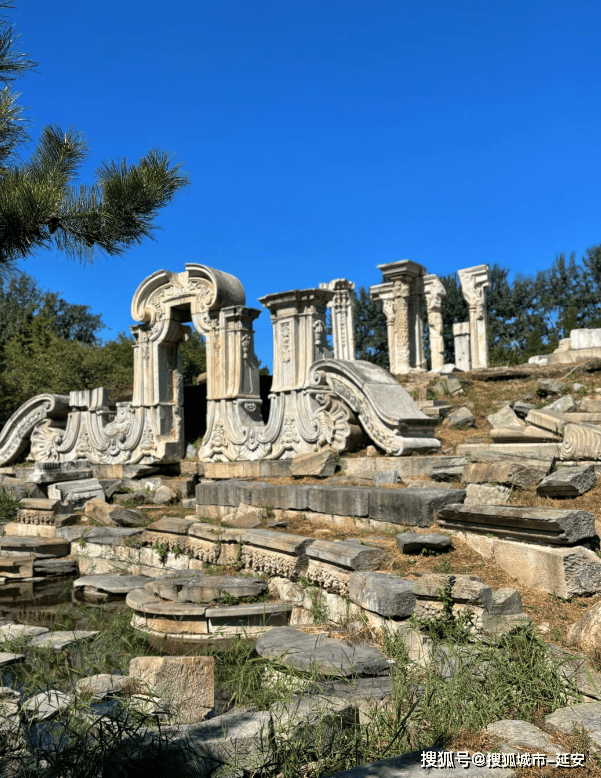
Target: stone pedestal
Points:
(474, 283)
(461, 336)
(401, 294)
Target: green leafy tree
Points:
(194, 358)
(41, 361)
(41, 203)
(371, 331)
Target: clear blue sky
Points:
(325, 138)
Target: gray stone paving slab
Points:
(382, 593)
(413, 507)
(329, 656)
(61, 639)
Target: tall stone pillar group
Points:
(404, 285)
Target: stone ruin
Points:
(318, 399)
(404, 285)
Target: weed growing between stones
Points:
(8, 505)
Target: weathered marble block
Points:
(414, 507)
(382, 593)
(339, 500)
(537, 525)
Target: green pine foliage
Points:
(42, 205)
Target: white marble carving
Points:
(474, 283)
(401, 294)
(341, 308)
(461, 338)
(312, 397)
(434, 292)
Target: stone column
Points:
(461, 336)
(474, 282)
(435, 291)
(400, 294)
(299, 334)
(341, 308)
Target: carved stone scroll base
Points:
(127, 435)
(581, 441)
(385, 410)
(15, 435)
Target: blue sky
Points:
(325, 138)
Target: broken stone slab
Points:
(59, 474)
(215, 533)
(574, 672)
(317, 715)
(506, 602)
(505, 417)
(172, 525)
(522, 735)
(240, 736)
(586, 715)
(234, 619)
(522, 408)
(61, 639)
(112, 583)
(284, 542)
(327, 655)
(110, 515)
(41, 548)
(164, 495)
(382, 593)
(462, 417)
(566, 572)
(536, 525)
(547, 386)
(351, 556)
(586, 632)
(408, 467)
(590, 405)
(319, 465)
(186, 684)
(109, 536)
(8, 658)
(193, 586)
(17, 566)
(563, 404)
(103, 686)
(41, 504)
(486, 494)
(581, 441)
(414, 542)
(496, 627)
(410, 506)
(529, 434)
(45, 706)
(521, 476)
(568, 482)
(76, 492)
(463, 588)
(11, 631)
(245, 521)
(479, 452)
(447, 473)
(546, 420)
(283, 496)
(385, 477)
(58, 567)
(339, 500)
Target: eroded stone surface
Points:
(414, 542)
(186, 684)
(330, 657)
(382, 593)
(568, 482)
